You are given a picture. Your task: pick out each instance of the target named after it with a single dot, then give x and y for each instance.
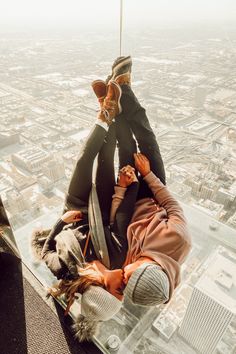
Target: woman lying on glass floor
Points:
(70, 249)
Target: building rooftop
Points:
(219, 281)
(202, 222)
(31, 153)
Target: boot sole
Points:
(96, 82)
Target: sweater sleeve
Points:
(49, 253)
(165, 199)
(117, 198)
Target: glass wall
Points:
(184, 75)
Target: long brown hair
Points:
(87, 276)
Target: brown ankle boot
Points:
(123, 79)
(104, 116)
(111, 106)
(100, 90)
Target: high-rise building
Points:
(224, 196)
(31, 158)
(54, 170)
(206, 192)
(212, 305)
(45, 184)
(196, 188)
(16, 202)
(215, 166)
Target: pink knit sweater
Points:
(158, 230)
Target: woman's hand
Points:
(126, 176)
(72, 216)
(142, 164)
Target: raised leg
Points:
(126, 142)
(137, 119)
(105, 174)
(81, 180)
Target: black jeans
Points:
(133, 121)
(101, 143)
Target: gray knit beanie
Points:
(97, 304)
(148, 285)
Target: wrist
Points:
(122, 185)
(144, 174)
(61, 220)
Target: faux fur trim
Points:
(37, 241)
(84, 328)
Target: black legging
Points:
(133, 120)
(103, 144)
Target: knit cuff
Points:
(119, 192)
(102, 124)
(151, 177)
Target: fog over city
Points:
(184, 74)
(93, 13)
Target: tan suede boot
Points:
(123, 79)
(111, 105)
(100, 90)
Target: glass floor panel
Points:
(137, 329)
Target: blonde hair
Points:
(87, 276)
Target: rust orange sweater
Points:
(158, 230)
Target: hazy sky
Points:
(99, 12)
